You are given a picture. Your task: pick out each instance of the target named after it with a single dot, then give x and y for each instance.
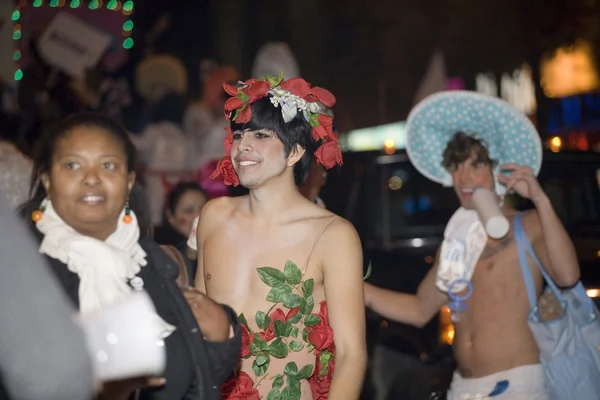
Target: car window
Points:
(573, 190)
(404, 203)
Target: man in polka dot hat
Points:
(471, 141)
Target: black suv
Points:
(400, 216)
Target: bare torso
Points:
(239, 245)
(492, 335)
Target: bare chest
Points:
(241, 264)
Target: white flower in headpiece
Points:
(288, 111)
(314, 108)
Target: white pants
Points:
(521, 383)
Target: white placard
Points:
(72, 45)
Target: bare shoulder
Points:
(216, 211)
(340, 234)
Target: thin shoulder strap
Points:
(317, 238)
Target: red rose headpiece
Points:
(292, 96)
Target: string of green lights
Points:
(126, 8)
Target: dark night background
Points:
(356, 48)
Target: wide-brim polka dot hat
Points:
(509, 134)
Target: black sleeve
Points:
(224, 356)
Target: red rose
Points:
(321, 334)
(245, 115)
(277, 315)
(246, 340)
(325, 128)
(329, 154)
(240, 387)
(228, 142)
(230, 89)
(231, 105)
(297, 86)
(257, 90)
(324, 96)
(225, 169)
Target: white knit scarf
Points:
(103, 267)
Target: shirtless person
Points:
(493, 342)
(291, 269)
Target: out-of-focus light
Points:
(16, 15)
(53, 3)
(18, 75)
(17, 35)
(128, 25)
(37, 3)
(555, 144)
(593, 293)
(17, 55)
(389, 146)
(75, 3)
(112, 5)
(128, 43)
(128, 6)
(429, 260)
(395, 183)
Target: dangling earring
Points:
(37, 215)
(127, 218)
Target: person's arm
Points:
(343, 282)
(413, 309)
(552, 244)
(548, 236)
(43, 353)
(225, 355)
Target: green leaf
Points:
(310, 348)
(296, 318)
(292, 390)
(278, 381)
(296, 345)
(278, 349)
(292, 300)
(368, 274)
(260, 370)
(262, 358)
(324, 359)
(290, 369)
(275, 81)
(307, 287)
(278, 294)
(313, 119)
(274, 394)
(261, 318)
(305, 334)
(295, 331)
(311, 320)
(307, 305)
(287, 329)
(292, 273)
(305, 372)
(242, 96)
(254, 349)
(262, 345)
(238, 112)
(271, 276)
(242, 319)
(279, 328)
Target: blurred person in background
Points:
(43, 354)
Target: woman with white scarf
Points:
(84, 209)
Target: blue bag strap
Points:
(527, 245)
(520, 238)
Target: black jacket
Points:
(210, 364)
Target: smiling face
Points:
(259, 156)
(469, 175)
(89, 182)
